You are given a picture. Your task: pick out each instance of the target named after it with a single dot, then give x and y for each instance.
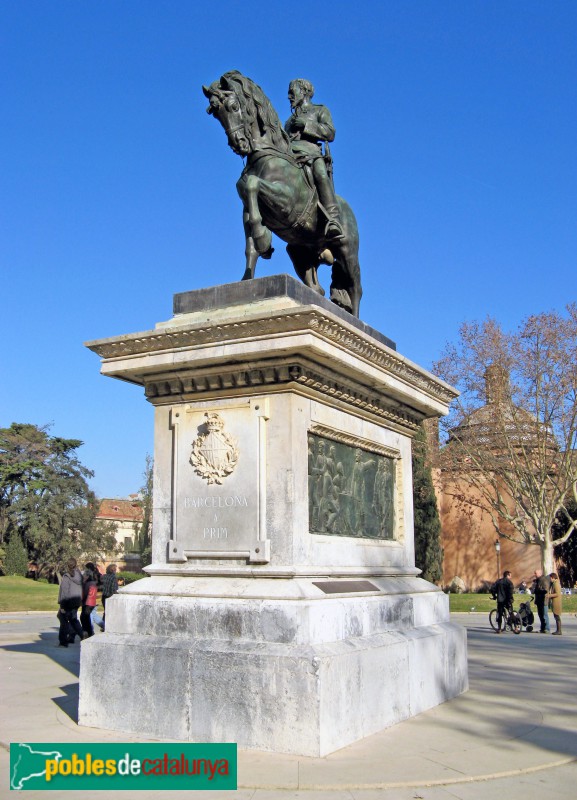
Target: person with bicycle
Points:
(503, 593)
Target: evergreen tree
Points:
(45, 498)
(428, 550)
(16, 557)
(142, 534)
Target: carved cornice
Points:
(362, 401)
(267, 326)
(385, 358)
(354, 441)
(274, 377)
(201, 335)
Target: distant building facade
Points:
(468, 535)
(126, 514)
(468, 539)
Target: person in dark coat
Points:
(503, 591)
(109, 586)
(69, 601)
(541, 591)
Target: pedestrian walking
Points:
(96, 619)
(109, 586)
(556, 602)
(89, 596)
(69, 601)
(541, 591)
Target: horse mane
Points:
(257, 107)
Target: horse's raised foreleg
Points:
(261, 236)
(250, 251)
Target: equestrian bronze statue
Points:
(286, 185)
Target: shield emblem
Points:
(214, 453)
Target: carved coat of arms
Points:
(214, 453)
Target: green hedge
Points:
(130, 577)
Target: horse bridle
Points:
(228, 131)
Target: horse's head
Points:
(245, 113)
(228, 108)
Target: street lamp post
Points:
(498, 551)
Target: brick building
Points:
(468, 535)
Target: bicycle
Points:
(510, 621)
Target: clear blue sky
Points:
(456, 146)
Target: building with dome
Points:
(498, 430)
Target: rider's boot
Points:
(333, 228)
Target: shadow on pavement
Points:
(520, 686)
(69, 701)
(47, 645)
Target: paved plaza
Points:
(514, 734)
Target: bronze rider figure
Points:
(308, 126)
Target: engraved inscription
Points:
(232, 501)
(215, 533)
(215, 514)
(351, 490)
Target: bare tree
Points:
(511, 435)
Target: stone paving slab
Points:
(513, 734)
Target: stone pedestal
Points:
(283, 609)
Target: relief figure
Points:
(351, 491)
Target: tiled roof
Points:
(115, 508)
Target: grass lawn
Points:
(484, 602)
(23, 594)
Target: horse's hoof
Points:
(326, 257)
(268, 253)
(317, 288)
(340, 297)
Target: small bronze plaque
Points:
(344, 587)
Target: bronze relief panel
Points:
(351, 490)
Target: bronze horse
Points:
(278, 195)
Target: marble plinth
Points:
(283, 609)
